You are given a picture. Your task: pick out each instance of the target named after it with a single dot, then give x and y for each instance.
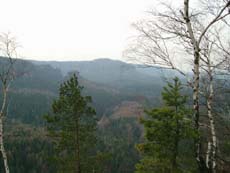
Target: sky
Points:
(71, 29)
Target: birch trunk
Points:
(211, 152)
(4, 156)
(208, 154)
(196, 72)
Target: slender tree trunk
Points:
(4, 156)
(196, 72)
(175, 152)
(199, 158)
(78, 167)
(212, 145)
(208, 155)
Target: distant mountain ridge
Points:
(123, 77)
(114, 73)
(109, 82)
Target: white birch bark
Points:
(208, 154)
(211, 152)
(196, 73)
(2, 148)
(152, 47)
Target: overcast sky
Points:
(71, 29)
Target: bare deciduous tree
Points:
(180, 35)
(7, 73)
(214, 60)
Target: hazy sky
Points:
(71, 29)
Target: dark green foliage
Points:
(32, 94)
(119, 140)
(27, 149)
(172, 96)
(166, 128)
(28, 107)
(72, 127)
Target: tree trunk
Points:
(175, 152)
(78, 167)
(4, 156)
(199, 157)
(196, 72)
(211, 151)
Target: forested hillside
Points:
(119, 102)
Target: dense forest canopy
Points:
(118, 114)
(118, 110)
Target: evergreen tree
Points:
(72, 126)
(165, 129)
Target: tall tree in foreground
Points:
(7, 74)
(166, 129)
(72, 126)
(177, 34)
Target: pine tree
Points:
(72, 126)
(165, 129)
